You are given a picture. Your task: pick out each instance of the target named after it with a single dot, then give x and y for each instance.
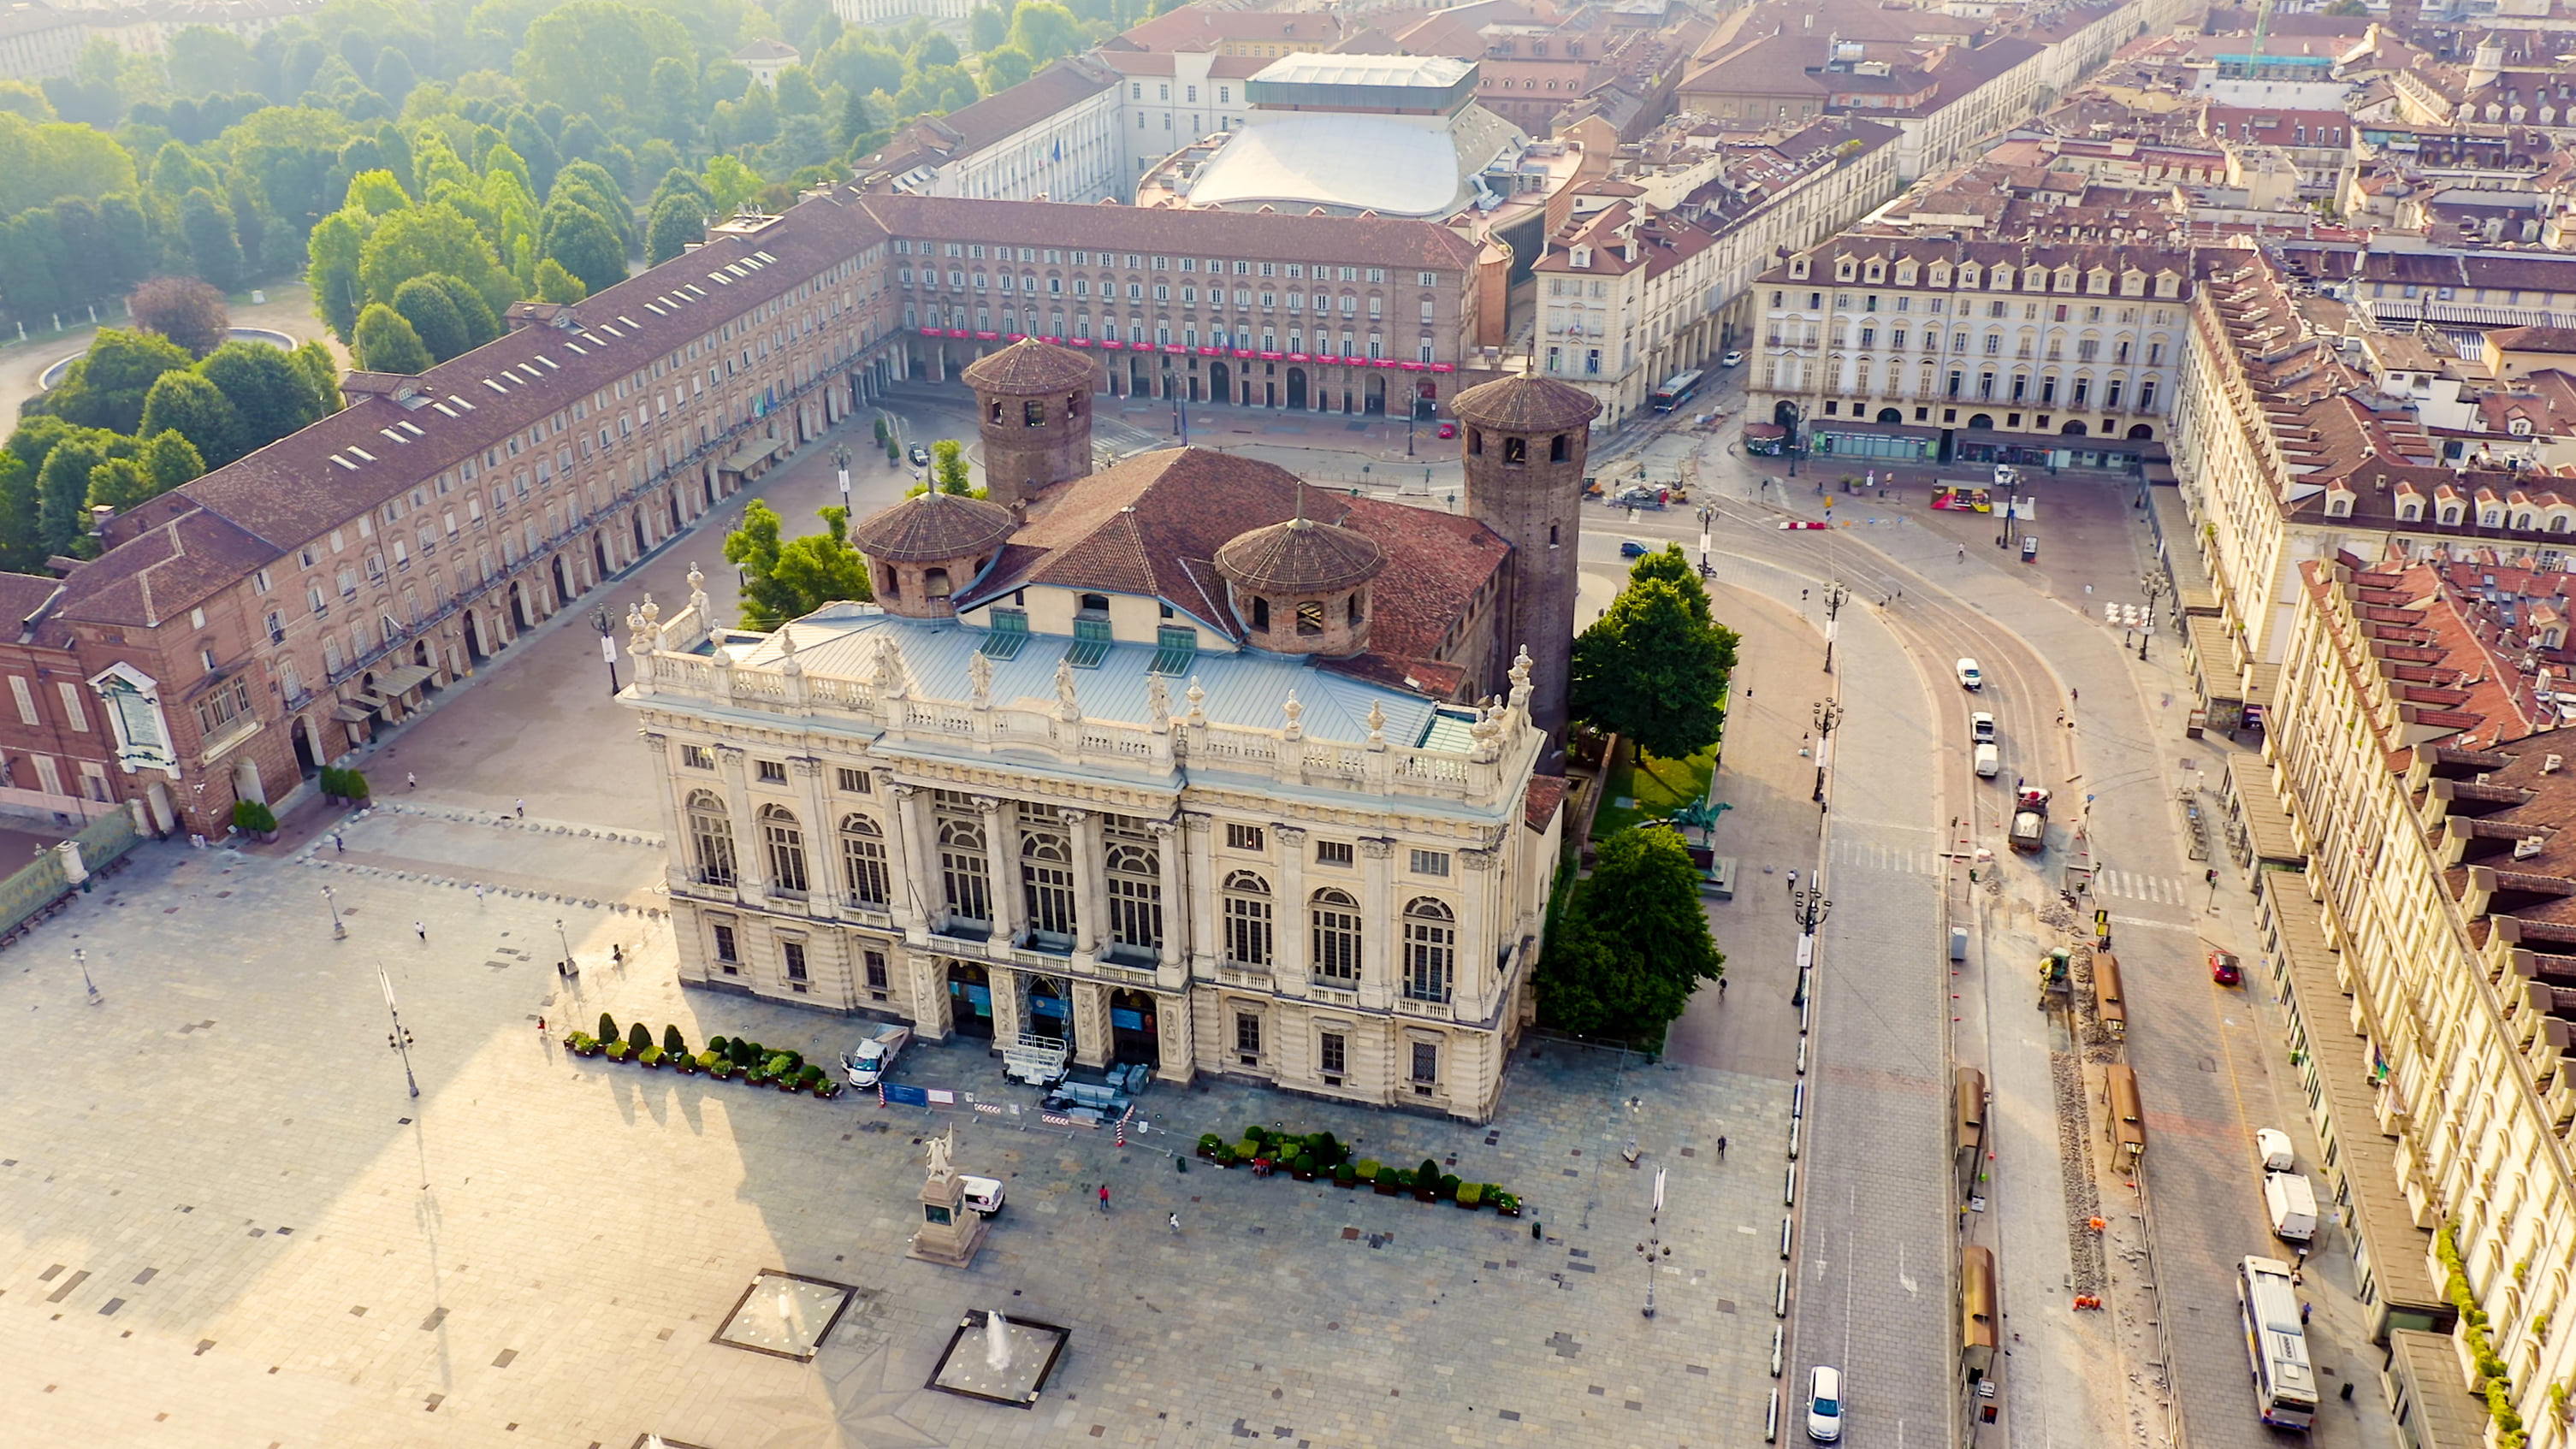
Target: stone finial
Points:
(1198, 703)
(652, 613)
(1521, 682)
(1296, 713)
(1487, 733)
(638, 637)
(697, 591)
(1158, 704)
(979, 680)
(787, 661)
(1377, 725)
(1067, 707)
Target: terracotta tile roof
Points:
(1526, 404)
(162, 573)
(928, 527)
(1300, 556)
(1200, 27)
(1031, 367)
(1546, 793)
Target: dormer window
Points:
(2522, 520)
(2450, 515)
(1091, 603)
(1905, 273)
(2490, 517)
(2000, 279)
(1877, 271)
(1940, 276)
(2519, 427)
(1968, 275)
(1581, 258)
(2410, 510)
(1798, 267)
(1843, 269)
(2338, 505)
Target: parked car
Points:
(1641, 497)
(1825, 1404)
(2272, 1146)
(2290, 1202)
(1732, 359)
(983, 1194)
(1631, 548)
(2223, 968)
(1448, 430)
(1981, 728)
(919, 455)
(866, 1063)
(1970, 676)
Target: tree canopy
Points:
(782, 581)
(1653, 668)
(1631, 944)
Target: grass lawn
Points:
(1658, 786)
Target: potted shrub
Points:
(720, 1068)
(353, 787)
(1470, 1195)
(1426, 1181)
(617, 1051)
(608, 1031)
(1366, 1169)
(1250, 1150)
(651, 1057)
(1329, 1152)
(1303, 1165)
(709, 1059)
(745, 1054)
(811, 1079)
(582, 1044)
(1504, 1203)
(673, 1044)
(330, 783)
(254, 819)
(1388, 1182)
(638, 1037)
(1209, 1142)
(828, 1088)
(1257, 1135)
(687, 1063)
(758, 1074)
(1344, 1175)
(1449, 1186)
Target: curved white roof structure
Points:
(1408, 166)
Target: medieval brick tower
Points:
(1034, 401)
(1526, 439)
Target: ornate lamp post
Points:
(80, 958)
(399, 1038)
(1835, 597)
(599, 614)
(1829, 714)
(331, 903)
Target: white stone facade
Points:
(1354, 919)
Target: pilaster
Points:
(1472, 990)
(1090, 892)
(676, 844)
(930, 1008)
(1289, 929)
(822, 845)
(914, 871)
(1177, 916)
(750, 872)
(1199, 833)
(1378, 924)
(1010, 1010)
(1180, 1039)
(1091, 1038)
(1001, 861)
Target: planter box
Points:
(1426, 1195)
(1386, 1189)
(1301, 1176)
(1469, 1206)
(1509, 1212)
(787, 1084)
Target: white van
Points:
(1989, 763)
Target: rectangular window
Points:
(773, 772)
(1237, 837)
(1431, 862)
(856, 782)
(876, 965)
(26, 700)
(1332, 1054)
(72, 705)
(792, 953)
(697, 757)
(726, 949)
(1332, 852)
(1426, 1062)
(1247, 1037)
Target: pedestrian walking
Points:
(1963, 553)
(2074, 696)
(337, 848)
(523, 809)
(1721, 986)
(1176, 1224)
(1721, 1149)
(420, 930)
(541, 1026)
(2303, 1312)
(1104, 1197)
(410, 780)
(617, 954)
(1793, 882)
(478, 893)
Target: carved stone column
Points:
(822, 845)
(1167, 866)
(913, 868)
(1479, 915)
(749, 870)
(675, 836)
(1179, 1039)
(1091, 1039)
(1289, 936)
(1008, 1011)
(1001, 861)
(1378, 924)
(1198, 833)
(928, 974)
(1090, 893)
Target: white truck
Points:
(2292, 1206)
(866, 1063)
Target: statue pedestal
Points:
(950, 1232)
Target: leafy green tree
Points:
(586, 55)
(858, 65)
(335, 248)
(177, 170)
(985, 27)
(670, 106)
(576, 237)
(589, 184)
(554, 284)
(783, 581)
(21, 549)
(204, 61)
(35, 438)
(482, 324)
(433, 237)
(62, 485)
(1005, 67)
(1631, 945)
(536, 149)
(213, 246)
(118, 483)
(184, 310)
(293, 154)
(1653, 669)
(728, 185)
(168, 460)
(125, 236)
(28, 286)
(1670, 564)
(936, 90)
(433, 318)
(393, 76)
(270, 393)
(934, 49)
(948, 467)
(376, 193)
(386, 343)
(1046, 31)
(185, 404)
(797, 95)
(18, 98)
(321, 373)
(40, 161)
(679, 221)
(106, 387)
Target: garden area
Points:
(1641, 787)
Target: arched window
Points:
(863, 861)
(1430, 949)
(965, 876)
(1046, 883)
(1247, 919)
(1337, 938)
(1135, 894)
(711, 833)
(785, 841)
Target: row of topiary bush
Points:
(346, 785)
(1307, 1156)
(725, 1057)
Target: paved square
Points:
(223, 1222)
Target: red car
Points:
(2224, 970)
(1448, 430)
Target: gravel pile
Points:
(2075, 1170)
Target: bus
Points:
(2276, 1344)
(1675, 390)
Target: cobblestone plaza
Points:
(226, 1223)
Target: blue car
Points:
(1630, 548)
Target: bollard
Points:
(1797, 1101)
(1780, 1296)
(1793, 1139)
(1789, 1192)
(1787, 1222)
(1802, 1055)
(1538, 1232)
(1771, 1419)
(1180, 1163)
(1779, 1336)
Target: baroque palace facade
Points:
(1175, 763)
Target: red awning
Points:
(1296, 357)
(1114, 346)
(1243, 352)
(1082, 342)
(1174, 347)
(1442, 367)
(987, 336)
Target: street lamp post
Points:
(331, 903)
(2153, 584)
(1808, 907)
(1707, 520)
(1653, 1249)
(608, 647)
(567, 940)
(1828, 714)
(840, 462)
(80, 958)
(399, 1038)
(1835, 597)
(2008, 478)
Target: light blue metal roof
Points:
(1246, 689)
